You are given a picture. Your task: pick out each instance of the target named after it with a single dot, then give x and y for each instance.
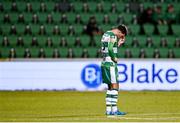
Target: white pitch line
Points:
(145, 118)
(153, 114)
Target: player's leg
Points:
(114, 87)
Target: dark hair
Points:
(123, 29)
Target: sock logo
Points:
(91, 76)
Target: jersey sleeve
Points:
(111, 45)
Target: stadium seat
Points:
(156, 41)
(42, 40)
(70, 41)
(171, 41)
(63, 52)
(85, 40)
(5, 28)
(13, 17)
(7, 5)
(12, 40)
(163, 52)
(48, 52)
(177, 52)
(135, 29)
(135, 52)
(19, 52)
(56, 41)
(27, 41)
(21, 5)
(148, 29)
(20, 28)
(149, 52)
(176, 29)
(34, 52)
(49, 5)
(92, 52)
(27, 17)
(142, 41)
(77, 52)
(4, 52)
(42, 17)
(162, 29)
(121, 52)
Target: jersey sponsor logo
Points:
(91, 76)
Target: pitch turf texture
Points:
(62, 106)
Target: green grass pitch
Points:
(62, 106)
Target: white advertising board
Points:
(86, 75)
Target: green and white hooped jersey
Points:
(109, 46)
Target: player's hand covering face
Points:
(121, 37)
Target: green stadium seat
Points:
(19, 52)
(27, 41)
(142, 40)
(107, 6)
(162, 29)
(35, 28)
(49, 5)
(42, 17)
(20, 28)
(78, 6)
(21, 5)
(85, 40)
(78, 29)
(177, 52)
(49, 29)
(92, 6)
(176, 29)
(121, 52)
(7, 5)
(128, 41)
(28, 17)
(99, 17)
(163, 52)
(148, 29)
(48, 52)
(70, 41)
(56, 41)
(4, 52)
(12, 40)
(92, 52)
(56, 17)
(85, 17)
(71, 17)
(5, 28)
(171, 41)
(35, 5)
(135, 52)
(34, 52)
(127, 18)
(156, 41)
(149, 52)
(63, 52)
(97, 39)
(42, 40)
(64, 29)
(135, 29)
(77, 52)
(13, 17)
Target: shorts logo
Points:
(91, 76)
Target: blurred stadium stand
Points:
(55, 29)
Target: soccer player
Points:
(110, 41)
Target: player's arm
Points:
(110, 49)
